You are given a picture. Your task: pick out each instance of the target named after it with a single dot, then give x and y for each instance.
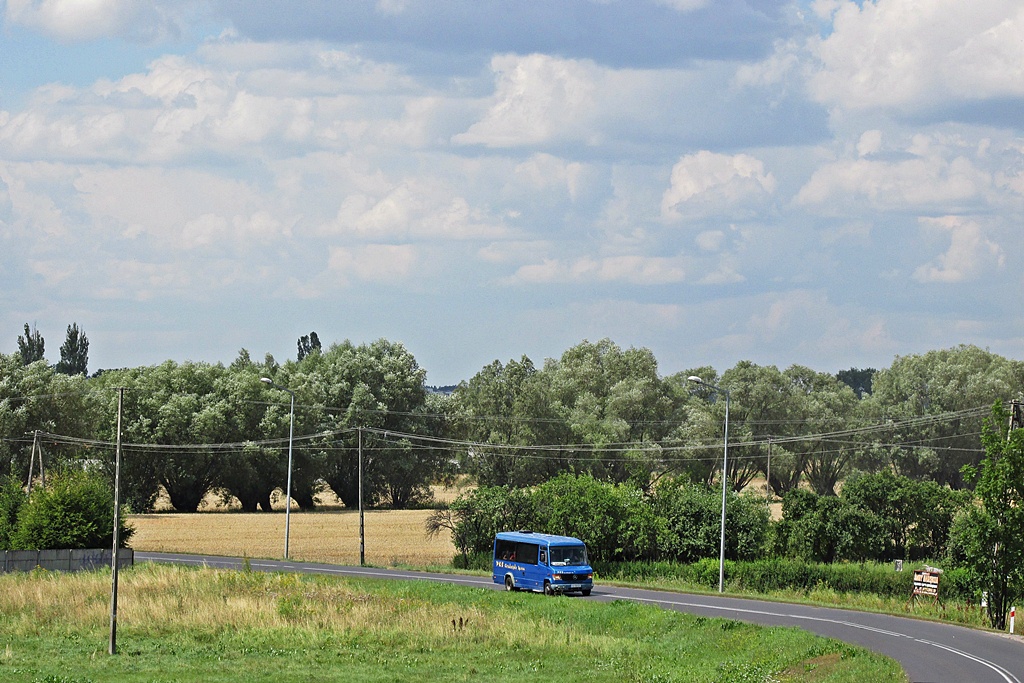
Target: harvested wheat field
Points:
(331, 534)
(393, 537)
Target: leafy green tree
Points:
(693, 518)
(31, 346)
(33, 397)
(75, 510)
(761, 399)
(308, 343)
(253, 472)
(377, 389)
(827, 529)
(508, 406)
(962, 381)
(176, 409)
(990, 533)
(822, 405)
(614, 401)
(74, 353)
(694, 423)
(12, 499)
(767, 403)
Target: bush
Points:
(12, 499)
(75, 510)
(586, 508)
(693, 520)
(914, 516)
(827, 529)
(475, 516)
(692, 516)
(778, 574)
(793, 574)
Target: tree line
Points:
(598, 409)
(877, 517)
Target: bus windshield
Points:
(568, 555)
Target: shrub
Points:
(827, 529)
(586, 508)
(12, 499)
(915, 516)
(475, 516)
(75, 510)
(692, 516)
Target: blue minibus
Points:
(524, 560)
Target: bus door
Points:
(527, 554)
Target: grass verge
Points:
(179, 624)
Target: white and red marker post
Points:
(1013, 613)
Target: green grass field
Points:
(179, 624)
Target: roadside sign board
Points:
(926, 583)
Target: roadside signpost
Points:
(926, 584)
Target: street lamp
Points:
(725, 478)
(288, 490)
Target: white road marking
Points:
(1006, 675)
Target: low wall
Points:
(62, 560)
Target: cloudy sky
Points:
(829, 183)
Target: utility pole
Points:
(362, 539)
(117, 527)
(36, 446)
(1016, 415)
(768, 476)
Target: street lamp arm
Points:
(276, 385)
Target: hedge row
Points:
(782, 574)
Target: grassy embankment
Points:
(178, 624)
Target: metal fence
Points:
(62, 560)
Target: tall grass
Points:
(873, 587)
(213, 625)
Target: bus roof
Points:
(531, 537)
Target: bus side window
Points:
(543, 556)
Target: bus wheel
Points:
(548, 590)
(510, 585)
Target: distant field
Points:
(392, 537)
(330, 534)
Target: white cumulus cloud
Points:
(908, 54)
(925, 176)
(142, 20)
(538, 98)
(970, 255)
(707, 182)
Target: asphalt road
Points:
(929, 652)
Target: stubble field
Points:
(330, 534)
(393, 537)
